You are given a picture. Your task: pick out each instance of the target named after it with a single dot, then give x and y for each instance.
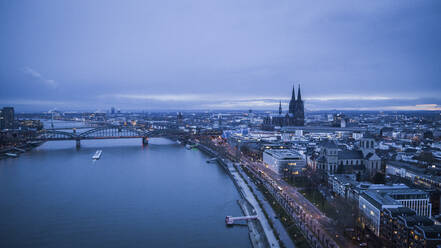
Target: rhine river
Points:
(159, 195)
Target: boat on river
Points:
(12, 155)
(97, 155)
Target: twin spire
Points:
(293, 95)
(299, 96)
(293, 100)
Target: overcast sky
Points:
(227, 54)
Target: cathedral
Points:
(294, 117)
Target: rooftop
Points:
(329, 144)
(430, 232)
(284, 154)
(401, 211)
(379, 200)
(350, 154)
(406, 166)
(412, 220)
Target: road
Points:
(316, 222)
(280, 229)
(272, 240)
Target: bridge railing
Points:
(105, 132)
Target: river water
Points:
(159, 195)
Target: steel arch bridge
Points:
(106, 132)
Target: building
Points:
(343, 185)
(371, 205)
(406, 226)
(339, 120)
(402, 228)
(294, 117)
(333, 159)
(415, 199)
(7, 118)
(418, 176)
(392, 232)
(284, 162)
(413, 173)
(426, 237)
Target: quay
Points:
(249, 206)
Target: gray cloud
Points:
(195, 54)
(36, 75)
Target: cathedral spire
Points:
(280, 107)
(292, 102)
(293, 95)
(299, 96)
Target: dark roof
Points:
(401, 211)
(328, 144)
(350, 154)
(369, 155)
(387, 129)
(341, 147)
(367, 135)
(358, 167)
(430, 232)
(418, 220)
(322, 159)
(407, 166)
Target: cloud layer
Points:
(194, 54)
(39, 78)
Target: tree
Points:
(358, 177)
(379, 178)
(425, 157)
(428, 135)
(245, 149)
(340, 169)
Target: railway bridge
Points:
(105, 132)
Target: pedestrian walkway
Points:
(252, 200)
(280, 229)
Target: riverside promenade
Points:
(269, 239)
(277, 225)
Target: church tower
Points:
(299, 112)
(280, 108)
(292, 102)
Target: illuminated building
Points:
(284, 161)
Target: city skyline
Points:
(220, 56)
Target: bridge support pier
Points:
(145, 140)
(78, 143)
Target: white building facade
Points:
(283, 161)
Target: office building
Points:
(284, 161)
(7, 118)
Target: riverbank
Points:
(250, 205)
(6, 152)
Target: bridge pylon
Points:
(78, 143)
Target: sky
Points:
(229, 54)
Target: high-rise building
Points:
(2, 123)
(7, 118)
